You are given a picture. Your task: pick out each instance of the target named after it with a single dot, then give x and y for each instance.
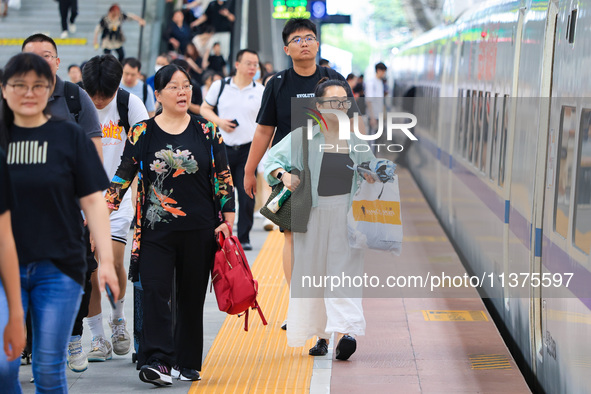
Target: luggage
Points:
(235, 288)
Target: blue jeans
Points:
(54, 299)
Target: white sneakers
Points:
(64, 34)
(100, 350)
(120, 338)
(77, 358)
(72, 28)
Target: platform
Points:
(412, 345)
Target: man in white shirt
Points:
(374, 96)
(132, 83)
(101, 77)
(237, 109)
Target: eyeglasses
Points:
(309, 39)
(338, 104)
(48, 56)
(22, 89)
(176, 89)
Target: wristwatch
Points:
(280, 174)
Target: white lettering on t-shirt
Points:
(305, 95)
(27, 152)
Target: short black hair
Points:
(295, 24)
(132, 62)
(39, 38)
(71, 66)
(381, 66)
(19, 65)
(102, 75)
(323, 62)
(350, 77)
(243, 51)
(181, 62)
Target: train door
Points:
(548, 122)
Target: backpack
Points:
(144, 93)
(235, 288)
(123, 109)
(224, 82)
(72, 95)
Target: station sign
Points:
(287, 9)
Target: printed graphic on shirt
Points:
(112, 130)
(27, 152)
(168, 161)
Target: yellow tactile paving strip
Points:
(258, 361)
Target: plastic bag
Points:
(374, 220)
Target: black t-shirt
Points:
(335, 177)
(219, 22)
(180, 194)
(196, 95)
(51, 167)
(277, 111)
(217, 64)
(5, 187)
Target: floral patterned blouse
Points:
(135, 160)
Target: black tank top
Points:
(335, 177)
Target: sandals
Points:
(320, 349)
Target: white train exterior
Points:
(506, 165)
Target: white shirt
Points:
(114, 136)
(242, 105)
(374, 97)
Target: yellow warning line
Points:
(258, 361)
(59, 41)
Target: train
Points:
(504, 159)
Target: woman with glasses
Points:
(185, 197)
(324, 249)
(55, 171)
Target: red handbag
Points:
(235, 288)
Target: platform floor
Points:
(412, 345)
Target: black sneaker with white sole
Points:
(185, 374)
(156, 373)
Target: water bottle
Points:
(279, 199)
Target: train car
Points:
(504, 159)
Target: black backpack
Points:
(72, 95)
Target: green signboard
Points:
(286, 9)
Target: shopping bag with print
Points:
(374, 220)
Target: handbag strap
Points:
(305, 152)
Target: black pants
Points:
(66, 5)
(237, 159)
(92, 266)
(120, 53)
(191, 253)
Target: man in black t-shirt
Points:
(219, 15)
(275, 117)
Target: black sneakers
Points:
(156, 373)
(320, 349)
(185, 374)
(346, 347)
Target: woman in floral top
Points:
(185, 197)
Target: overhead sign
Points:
(286, 9)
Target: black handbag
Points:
(295, 211)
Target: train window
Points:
(582, 216)
(503, 141)
(477, 129)
(564, 169)
(485, 125)
(494, 142)
(461, 123)
(472, 118)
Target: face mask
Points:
(157, 67)
(257, 75)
